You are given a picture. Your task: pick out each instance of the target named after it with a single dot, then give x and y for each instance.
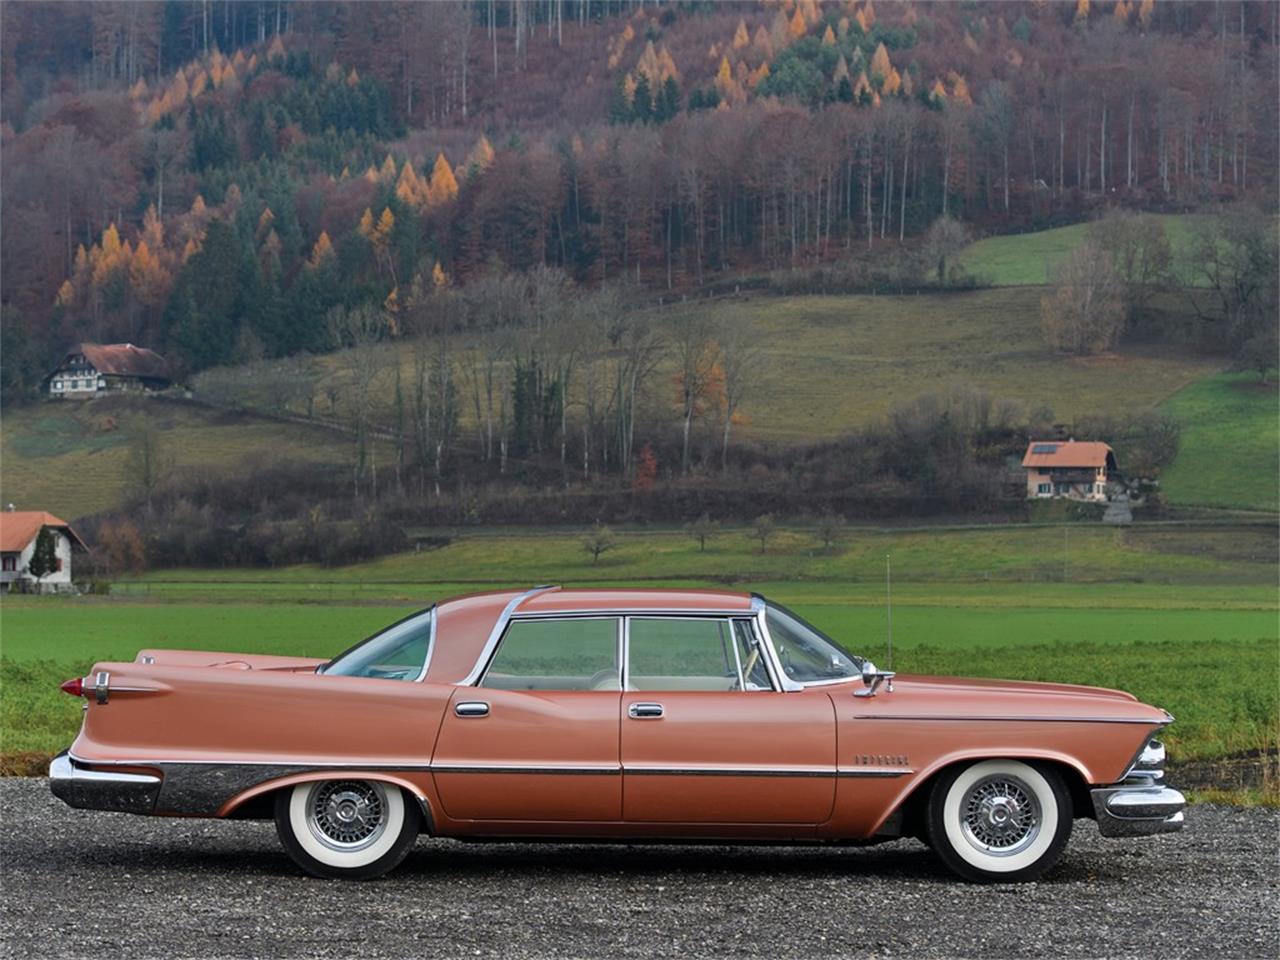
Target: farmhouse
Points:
(1079, 470)
(19, 531)
(93, 369)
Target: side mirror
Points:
(873, 678)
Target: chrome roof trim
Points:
(781, 680)
(605, 612)
(431, 643)
(491, 644)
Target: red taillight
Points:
(74, 687)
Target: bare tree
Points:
(357, 333)
(763, 529)
(947, 236)
(1140, 253)
(695, 364)
(830, 530)
(599, 539)
(742, 362)
(702, 530)
(1085, 312)
(147, 465)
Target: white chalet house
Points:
(19, 530)
(93, 369)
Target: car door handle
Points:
(471, 708)
(645, 711)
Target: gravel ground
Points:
(106, 885)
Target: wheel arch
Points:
(256, 802)
(914, 799)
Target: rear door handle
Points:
(471, 708)
(644, 711)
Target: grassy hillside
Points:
(837, 362)
(72, 458)
(1029, 259)
(1230, 452)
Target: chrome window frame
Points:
(619, 650)
(725, 619)
(431, 611)
(788, 683)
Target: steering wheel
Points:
(747, 667)
(601, 676)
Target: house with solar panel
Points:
(1075, 469)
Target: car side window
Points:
(684, 653)
(569, 654)
(751, 657)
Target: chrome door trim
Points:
(874, 772)
(712, 770)
(645, 710)
(954, 718)
(495, 634)
(471, 708)
(572, 769)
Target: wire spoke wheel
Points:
(347, 815)
(1000, 815)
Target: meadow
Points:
(1230, 446)
(1030, 259)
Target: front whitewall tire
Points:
(1000, 820)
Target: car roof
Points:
(589, 600)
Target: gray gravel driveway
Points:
(107, 885)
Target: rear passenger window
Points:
(572, 654)
(669, 653)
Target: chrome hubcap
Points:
(1000, 816)
(347, 815)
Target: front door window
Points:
(672, 653)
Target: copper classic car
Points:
(613, 715)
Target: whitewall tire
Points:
(346, 829)
(1000, 821)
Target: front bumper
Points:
(78, 786)
(1137, 808)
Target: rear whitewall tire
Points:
(1000, 821)
(380, 828)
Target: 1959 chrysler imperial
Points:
(613, 715)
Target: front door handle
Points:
(471, 708)
(645, 711)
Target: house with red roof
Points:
(19, 530)
(92, 369)
(1076, 469)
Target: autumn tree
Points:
(946, 237)
(1085, 312)
(1140, 254)
(695, 358)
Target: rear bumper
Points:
(1139, 807)
(78, 786)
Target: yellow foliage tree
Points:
(1122, 12)
(762, 44)
(1082, 11)
(444, 185)
(382, 232)
(779, 31)
(410, 188)
(869, 14)
(387, 172)
(829, 37)
(147, 277)
(153, 229)
(321, 251)
(960, 89)
(66, 295)
(276, 50)
(481, 154)
(1145, 10)
(881, 66)
(740, 36)
(365, 226)
(892, 83)
(439, 279)
(797, 27)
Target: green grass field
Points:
(1030, 259)
(1240, 558)
(1230, 450)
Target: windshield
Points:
(397, 653)
(807, 654)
